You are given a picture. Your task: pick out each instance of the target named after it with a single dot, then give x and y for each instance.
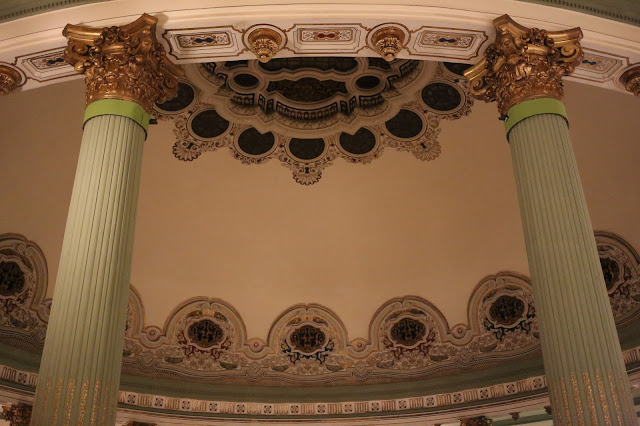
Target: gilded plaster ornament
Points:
(524, 64)
(631, 80)
(388, 42)
(10, 78)
(18, 414)
(476, 421)
(264, 43)
(124, 62)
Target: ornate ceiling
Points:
(402, 282)
(306, 112)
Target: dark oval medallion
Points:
(408, 331)
(306, 149)
(255, 143)
(209, 124)
(506, 310)
(441, 96)
(11, 279)
(406, 124)
(205, 333)
(360, 143)
(307, 339)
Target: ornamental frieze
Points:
(205, 340)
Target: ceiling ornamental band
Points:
(45, 65)
(204, 340)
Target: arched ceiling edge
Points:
(197, 32)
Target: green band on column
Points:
(118, 107)
(530, 108)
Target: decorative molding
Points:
(388, 42)
(323, 39)
(630, 79)
(454, 35)
(599, 66)
(45, 66)
(10, 79)
(124, 62)
(450, 400)
(350, 107)
(204, 340)
(265, 41)
(524, 64)
(457, 43)
(24, 311)
(203, 42)
(18, 414)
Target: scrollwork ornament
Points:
(524, 64)
(124, 62)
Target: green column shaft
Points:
(80, 368)
(582, 356)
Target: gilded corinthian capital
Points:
(124, 62)
(524, 64)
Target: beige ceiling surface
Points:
(253, 237)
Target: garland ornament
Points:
(524, 64)
(126, 63)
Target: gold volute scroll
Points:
(631, 80)
(264, 43)
(388, 42)
(126, 62)
(524, 64)
(10, 78)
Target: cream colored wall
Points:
(364, 234)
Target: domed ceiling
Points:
(403, 282)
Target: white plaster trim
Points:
(41, 32)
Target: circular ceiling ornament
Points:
(306, 112)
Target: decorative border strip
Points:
(530, 384)
(349, 408)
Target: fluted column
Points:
(126, 71)
(583, 362)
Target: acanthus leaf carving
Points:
(524, 64)
(126, 63)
